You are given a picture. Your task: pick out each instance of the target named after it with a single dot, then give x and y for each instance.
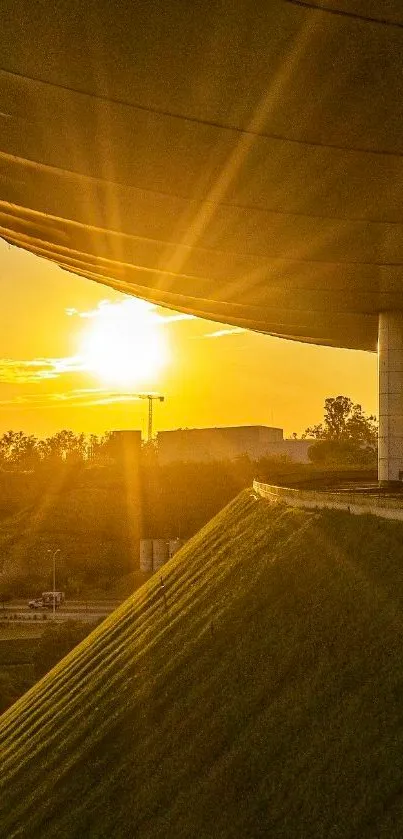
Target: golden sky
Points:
(65, 343)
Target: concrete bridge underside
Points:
(238, 162)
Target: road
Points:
(86, 611)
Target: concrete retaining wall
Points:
(351, 502)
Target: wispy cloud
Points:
(27, 371)
(174, 318)
(36, 370)
(75, 398)
(220, 333)
(139, 308)
(93, 396)
(91, 313)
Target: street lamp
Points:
(54, 578)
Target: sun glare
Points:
(124, 344)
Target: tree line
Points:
(25, 452)
(346, 434)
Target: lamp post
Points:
(54, 579)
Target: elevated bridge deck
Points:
(353, 498)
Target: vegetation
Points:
(11, 687)
(55, 642)
(16, 669)
(92, 515)
(346, 435)
(254, 689)
(74, 497)
(23, 660)
(97, 514)
(19, 451)
(180, 498)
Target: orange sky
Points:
(56, 371)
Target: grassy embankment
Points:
(260, 693)
(17, 670)
(96, 516)
(17, 651)
(28, 652)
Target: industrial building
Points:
(124, 447)
(206, 444)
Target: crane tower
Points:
(151, 398)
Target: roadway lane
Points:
(86, 611)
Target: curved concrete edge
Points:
(349, 502)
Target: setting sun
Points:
(124, 344)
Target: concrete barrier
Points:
(351, 502)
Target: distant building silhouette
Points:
(124, 447)
(227, 443)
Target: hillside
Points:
(92, 515)
(96, 516)
(258, 694)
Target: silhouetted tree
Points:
(344, 420)
(64, 447)
(18, 450)
(346, 434)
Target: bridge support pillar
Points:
(390, 367)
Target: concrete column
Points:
(390, 367)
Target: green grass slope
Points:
(259, 694)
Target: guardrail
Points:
(351, 502)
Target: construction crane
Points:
(151, 397)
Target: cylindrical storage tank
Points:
(174, 545)
(160, 553)
(146, 555)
